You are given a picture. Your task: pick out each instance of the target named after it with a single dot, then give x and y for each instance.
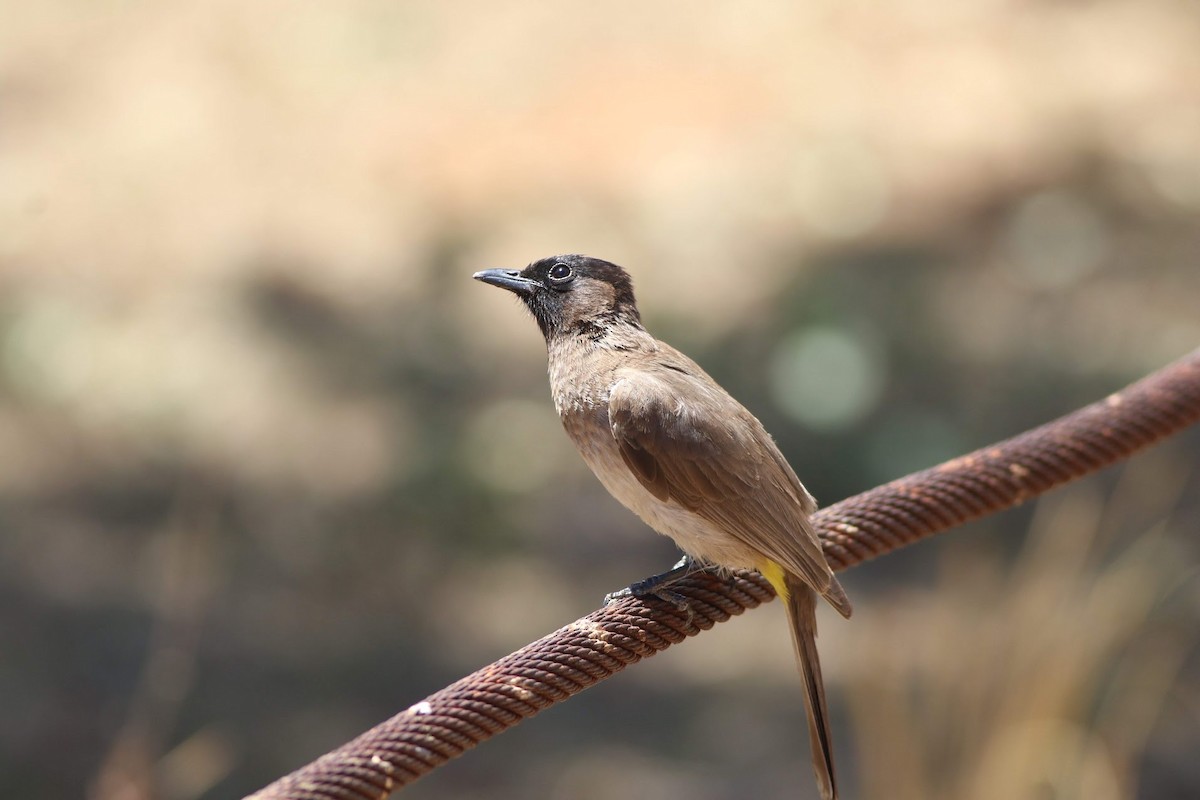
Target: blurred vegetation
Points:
(274, 468)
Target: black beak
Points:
(510, 279)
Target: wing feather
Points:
(710, 456)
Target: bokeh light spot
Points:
(1055, 240)
(826, 378)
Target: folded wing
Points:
(710, 456)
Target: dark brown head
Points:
(571, 295)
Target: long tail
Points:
(801, 603)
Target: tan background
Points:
(273, 467)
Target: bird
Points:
(681, 453)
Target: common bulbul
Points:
(676, 449)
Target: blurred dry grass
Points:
(273, 467)
(1043, 677)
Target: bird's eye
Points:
(561, 273)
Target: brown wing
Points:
(690, 443)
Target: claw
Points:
(659, 586)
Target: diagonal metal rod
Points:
(552, 669)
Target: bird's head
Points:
(571, 295)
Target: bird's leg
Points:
(659, 585)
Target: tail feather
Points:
(837, 598)
(801, 603)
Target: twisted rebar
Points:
(497, 697)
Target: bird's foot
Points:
(659, 586)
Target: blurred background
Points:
(273, 468)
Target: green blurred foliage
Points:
(274, 467)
